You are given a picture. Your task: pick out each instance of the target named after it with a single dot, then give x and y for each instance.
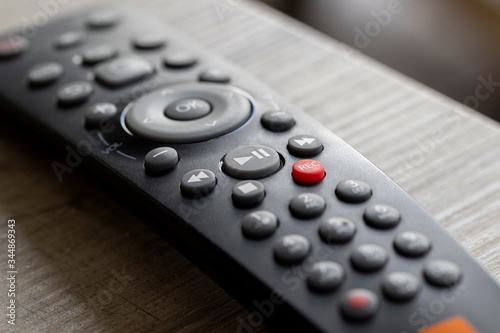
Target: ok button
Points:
(188, 109)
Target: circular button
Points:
(179, 59)
(161, 160)
(369, 258)
(214, 75)
(353, 191)
(412, 244)
(337, 230)
(259, 225)
(277, 121)
(199, 182)
(70, 39)
(98, 54)
(98, 113)
(382, 216)
(251, 162)
(248, 193)
(230, 110)
(307, 205)
(325, 276)
(291, 249)
(74, 93)
(12, 45)
(188, 109)
(308, 171)
(149, 41)
(304, 146)
(442, 273)
(359, 304)
(45, 73)
(400, 286)
(104, 18)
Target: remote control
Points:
(276, 208)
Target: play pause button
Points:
(251, 162)
(199, 182)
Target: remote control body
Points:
(196, 197)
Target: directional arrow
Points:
(147, 121)
(242, 160)
(304, 141)
(212, 124)
(198, 178)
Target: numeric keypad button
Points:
(382, 216)
(179, 59)
(45, 73)
(98, 54)
(353, 191)
(325, 276)
(369, 258)
(400, 286)
(101, 19)
(277, 121)
(337, 230)
(123, 70)
(292, 249)
(307, 205)
(259, 224)
(70, 39)
(442, 273)
(149, 41)
(412, 244)
(74, 93)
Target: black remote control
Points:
(249, 187)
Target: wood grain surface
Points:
(87, 264)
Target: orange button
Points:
(455, 324)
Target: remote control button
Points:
(45, 73)
(149, 41)
(400, 286)
(162, 160)
(214, 75)
(188, 109)
(251, 162)
(304, 146)
(292, 249)
(74, 93)
(359, 304)
(442, 273)
(179, 60)
(248, 193)
(382, 216)
(307, 206)
(12, 45)
(308, 171)
(337, 230)
(277, 121)
(122, 71)
(97, 113)
(353, 191)
(259, 225)
(325, 276)
(230, 110)
(104, 18)
(98, 54)
(70, 39)
(369, 258)
(199, 182)
(412, 244)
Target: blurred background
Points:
(452, 46)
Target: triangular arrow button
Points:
(194, 179)
(242, 160)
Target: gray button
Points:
(124, 70)
(307, 205)
(359, 304)
(70, 39)
(369, 258)
(74, 93)
(259, 224)
(188, 109)
(149, 41)
(214, 75)
(161, 160)
(400, 286)
(12, 45)
(353, 191)
(199, 182)
(382, 216)
(251, 162)
(325, 276)
(99, 53)
(442, 273)
(304, 146)
(230, 110)
(103, 18)
(98, 113)
(291, 249)
(277, 121)
(179, 59)
(248, 193)
(45, 73)
(337, 230)
(412, 244)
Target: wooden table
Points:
(88, 264)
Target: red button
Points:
(358, 301)
(308, 171)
